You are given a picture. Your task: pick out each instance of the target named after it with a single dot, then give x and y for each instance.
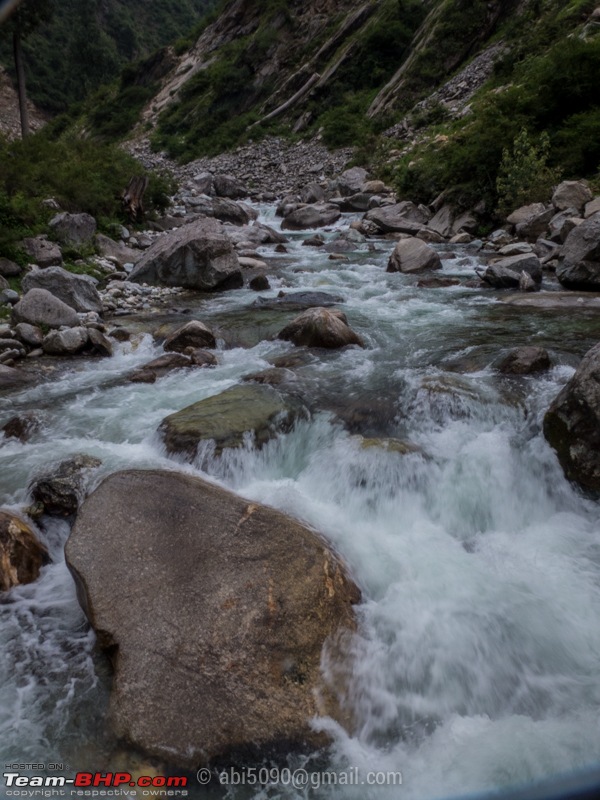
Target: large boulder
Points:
(22, 555)
(77, 291)
(525, 213)
(227, 418)
(404, 217)
(43, 252)
(579, 266)
(572, 423)
(317, 215)
(197, 256)
(413, 255)
(61, 487)
(535, 226)
(228, 186)
(39, 307)
(320, 327)
(193, 334)
(225, 609)
(352, 181)
(73, 229)
(572, 194)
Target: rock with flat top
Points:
(413, 255)
(320, 327)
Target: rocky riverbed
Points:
(387, 386)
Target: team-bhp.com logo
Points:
(87, 782)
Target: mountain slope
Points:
(87, 43)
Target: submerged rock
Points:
(22, 555)
(320, 327)
(525, 360)
(226, 418)
(22, 426)
(293, 301)
(572, 423)
(226, 607)
(61, 487)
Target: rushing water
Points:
(476, 666)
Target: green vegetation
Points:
(81, 175)
(86, 43)
(524, 175)
(548, 90)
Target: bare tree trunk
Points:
(18, 53)
(133, 197)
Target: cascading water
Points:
(476, 664)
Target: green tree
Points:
(524, 175)
(27, 16)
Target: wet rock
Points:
(317, 215)
(229, 211)
(197, 256)
(8, 268)
(100, 343)
(77, 291)
(526, 283)
(251, 263)
(320, 327)
(413, 255)
(120, 334)
(229, 186)
(572, 194)
(43, 252)
(22, 555)
(390, 445)
(437, 283)
(572, 423)
(227, 418)
(22, 426)
(200, 357)
(193, 334)
(404, 217)
(65, 342)
(61, 487)
(260, 283)
(292, 301)
(273, 377)
(29, 334)
(554, 301)
(11, 378)
(525, 361)
(314, 241)
(230, 603)
(579, 266)
(73, 229)
(39, 307)
(159, 367)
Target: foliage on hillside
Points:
(88, 42)
(547, 85)
(80, 174)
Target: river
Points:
(476, 666)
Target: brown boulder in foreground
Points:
(214, 610)
(22, 555)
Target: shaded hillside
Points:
(87, 43)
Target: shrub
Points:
(524, 176)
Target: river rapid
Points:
(476, 662)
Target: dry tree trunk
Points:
(133, 197)
(23, 110)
